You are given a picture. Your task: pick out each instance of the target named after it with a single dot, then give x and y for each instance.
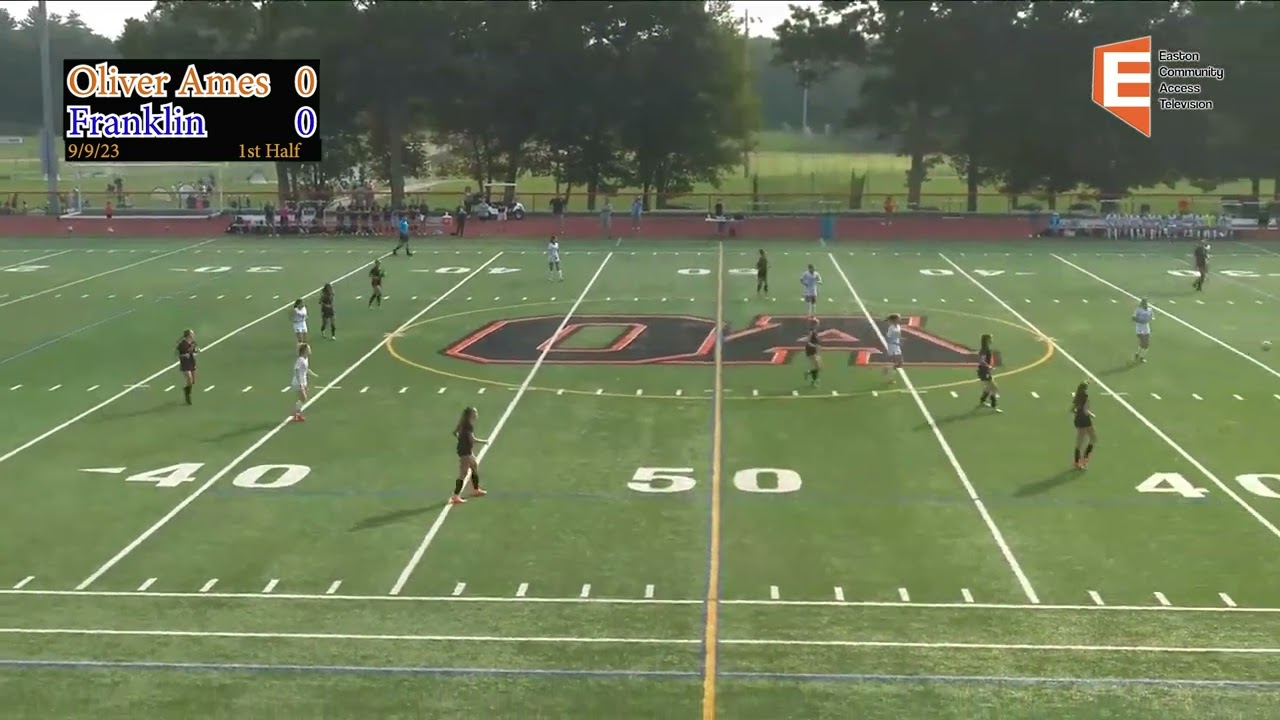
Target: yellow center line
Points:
(711, 632)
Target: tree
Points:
(229, 29)
(904, 95)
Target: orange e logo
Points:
(1122, 81)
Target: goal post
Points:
(170, 190)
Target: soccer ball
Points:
(1266, 344)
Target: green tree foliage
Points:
(20, 96)
(1001, 90)
(602, 94)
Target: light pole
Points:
(50, 158)
(747, 19)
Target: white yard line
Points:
(1255, 246)
(270, 434)
(35, 259)
(521, 599)
(1098, 383)
(143, 382)
(581, 640)
(1165, 313)
(998, 536)
(427, 539)
(104, 273)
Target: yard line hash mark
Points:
(521, 597)
(1226, 600)
(972, 492)
(68, 423)
(34, 259)
(182, 505)
(333, 589)
(270, 586)
(147, 584)
(24, 582)
(1097, 382)
(459, 589)
(1095, 597)
(104, 273)
(1160, 598)
(208, 585)
(520, 392)
(1211, 338)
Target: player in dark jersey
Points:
(326, 312)
(986, 361)
(1201, 255)
(376, 274)
(465, 433)
(1082, 418)
(762, 274)
(186, 350)
(812, 346)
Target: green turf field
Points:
(677, 524)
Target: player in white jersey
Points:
(1142, 326)
(553, 260)
(893, 343)
(1131, 226)
(298, 315)
(1112, 223)
(810, 280)
(1225, 226)
(301, 371)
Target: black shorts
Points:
(810, 352)
(1202, 268)
(762, 276)
(377, 287)
(187, 365)
(1083, 422)
(326, 314)
(465, 451)
(984, 374)
(404, 237)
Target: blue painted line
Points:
(285, 668)
(817, 497)
(117, 316)
(21, 664)
(1007, 680)
(64, 336)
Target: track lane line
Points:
(145, 381)
(156, 527)
(969, 489)
(427, 539)
(1106, 389)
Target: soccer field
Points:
(677, 524)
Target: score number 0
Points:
(305, 83)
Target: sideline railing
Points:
(155, 199)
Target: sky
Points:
(106, 17)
